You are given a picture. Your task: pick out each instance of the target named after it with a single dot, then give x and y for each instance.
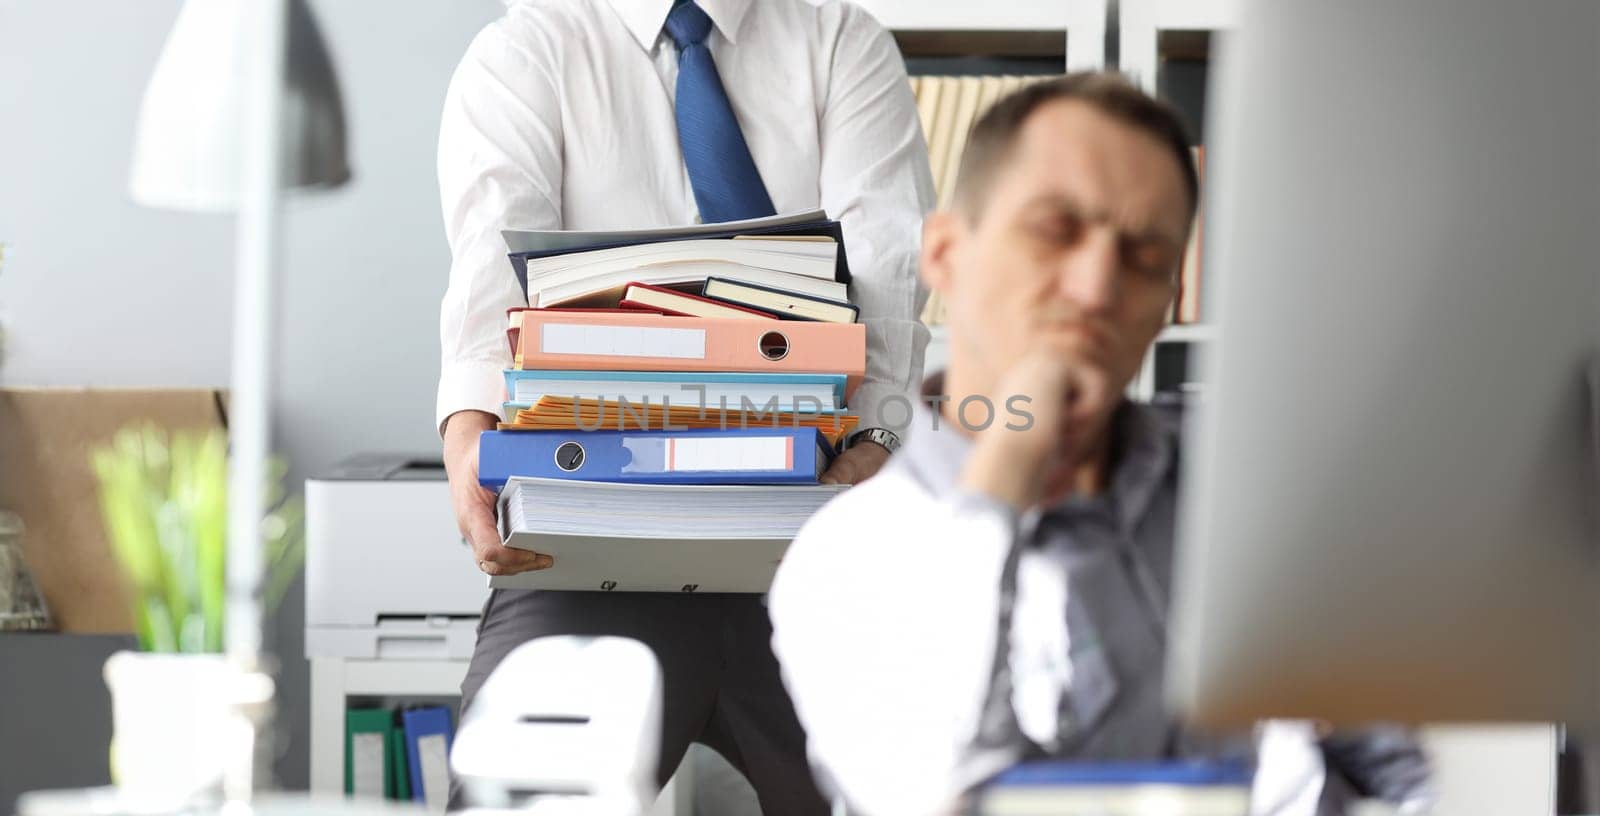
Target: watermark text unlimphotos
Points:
(975, 413)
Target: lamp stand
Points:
(256, 252)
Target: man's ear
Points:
(941, 230)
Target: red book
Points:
(661, 300)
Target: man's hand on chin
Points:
(1064, 394)
(856, 464)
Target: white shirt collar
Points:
(645, 18)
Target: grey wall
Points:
(62, 693)
(97, 291)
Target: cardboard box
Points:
(46, 436)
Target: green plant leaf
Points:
(163, 498)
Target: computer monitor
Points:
(1390, 485)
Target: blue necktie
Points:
(727, 186)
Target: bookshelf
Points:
(1151, 29)
(963, 28)
(959, 40)
(340, 683)
(1186, 333)
(1165, 47)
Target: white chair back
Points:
(565, 724)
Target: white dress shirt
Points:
(884, 615)
(560, 116)
(888, 617)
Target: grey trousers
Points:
(721, 682)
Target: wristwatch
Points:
(887, 438)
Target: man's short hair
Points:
(995, 135)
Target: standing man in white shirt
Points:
(1000, 591)
(612, 114)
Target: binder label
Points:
(366, 763)
(433, 752)
(622, 341)
(730, 453)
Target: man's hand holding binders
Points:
(474, 504)
(856, 464)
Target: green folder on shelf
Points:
(375, 765)
(399, 770)
(368, 762)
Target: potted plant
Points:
(164, 500)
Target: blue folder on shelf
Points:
(428, 738)
(748, 456)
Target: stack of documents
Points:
(660, 440)
(705, 362)
(789, 267)
(805, 266)
(655, 538)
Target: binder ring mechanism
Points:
(569, 456)
(773, 345)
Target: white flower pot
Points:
(171, 722)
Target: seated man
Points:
(999, 591)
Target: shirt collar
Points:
(1144, 451)
(933, 449)
(645, 18)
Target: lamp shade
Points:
(190, 142)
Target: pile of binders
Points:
(674, 397)
(399, 754)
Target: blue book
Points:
(1152, 772)
(747, 456)
(428, 738)
(808, 393)
(1065, 788)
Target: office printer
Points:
(387, 573)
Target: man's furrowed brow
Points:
(1065, 203)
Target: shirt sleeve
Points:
(1385, 762)
(886, 622)
(875, 180)
(500, 163)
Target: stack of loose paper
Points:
(654, 537)
(556, 412)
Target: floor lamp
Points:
(242, 105)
